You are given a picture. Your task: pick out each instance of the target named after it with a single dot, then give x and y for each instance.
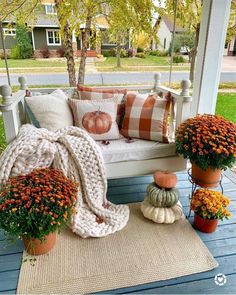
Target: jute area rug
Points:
(143, 252)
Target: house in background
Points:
(45, 34)
(230, 47)
(164, 33)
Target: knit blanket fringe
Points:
(73, 151)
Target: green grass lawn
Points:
(31, 63)
(135, 61)
(149, 63)
(226, 106)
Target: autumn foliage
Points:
(207, 140)
(36, 204)
(210, 204)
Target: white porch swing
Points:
(14, 114)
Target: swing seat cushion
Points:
(136, 149)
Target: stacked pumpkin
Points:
(161, 204)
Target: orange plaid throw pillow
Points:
(146, 117)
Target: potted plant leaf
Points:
(34, 207)
(209, 142)
(209, 207)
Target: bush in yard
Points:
(162, 53)
(15, 53)
(139, 50)
(45, 52)
(23, 49)
(108, 53)
(154, 52)
(60, 52)
(178, 59)
(131, 52)
(140, 55)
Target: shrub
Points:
(163, 53)
(123, 52)
(15, 53)
(23, 49)
(7, 53)
(131, 52)
(178, 59)
(139, 50)
(61, 52)
(154, 52)
(140, 55)
(108, 53)
(45, 52)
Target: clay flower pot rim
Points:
(205, 218)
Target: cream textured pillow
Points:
(97, 117)
(49, 111)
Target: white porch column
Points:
(215, 16)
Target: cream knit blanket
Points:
(74, 152)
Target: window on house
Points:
(164, 43)
(53, 37)
(9, 32)
(50, 9)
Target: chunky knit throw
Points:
(74, 152)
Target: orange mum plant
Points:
(210, 204)
(207, 140)
(36, 204)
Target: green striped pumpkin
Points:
(159, 197)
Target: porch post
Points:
(215, 16)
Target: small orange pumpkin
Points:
(97, 122)
(165, 179)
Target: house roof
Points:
(170, 24)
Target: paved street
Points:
(107, 78)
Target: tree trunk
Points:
(194, 54)
(85, 44)
(118, 63)
(67, 40)
(69, 55)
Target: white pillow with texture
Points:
(49, 111)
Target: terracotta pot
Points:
(205, 225)
(36, 247)
(205, 178)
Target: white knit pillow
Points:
(49, 111)
(97, 117)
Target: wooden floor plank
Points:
(227, 266)
(8, 280)
(8, 292)
(206, 286)
(10, 262)
(9, 247)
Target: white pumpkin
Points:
(161, 215)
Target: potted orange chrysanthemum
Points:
(34, 207)
(209, 206)
(209, 141)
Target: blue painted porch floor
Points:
(222, 244)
